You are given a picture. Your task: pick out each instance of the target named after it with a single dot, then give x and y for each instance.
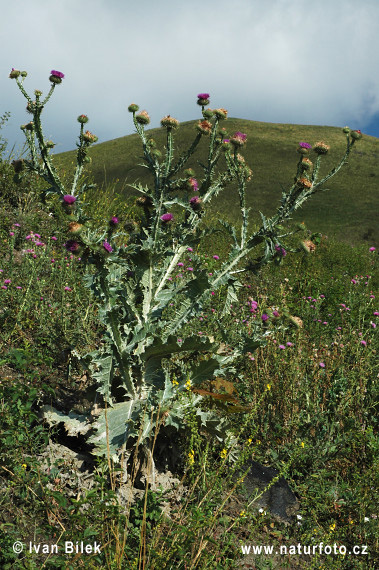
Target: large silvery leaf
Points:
(74, 424)
(171, 345)
(103, 373)
(115, 426)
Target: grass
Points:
(310, 392)
(347, 212)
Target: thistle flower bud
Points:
(221, 113)
(193, 184)
(113, 221)
(321, 147)
(37, 93)
(169, 122)
(189, 172)
(72, 245)
(69, 199)
(144, 201)
(208, 113)
(238, 139)
(24, 73)
(143, 118)
(82, 119)
(308, 246)
(14, 73)
(155, 153)
(29, 126)
(304, 182)
(56, 77)
(167, 218)
(346, 130)
(304, 148)
(31, 107)
(75, 228)
(49, 144)
(133, 108)
(306, 164)
(89, 137)
(356, 135)
(107, 246)
(203, 99)
(204, 127)
(196, 203)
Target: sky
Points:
(281, 61)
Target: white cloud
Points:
(280, 61)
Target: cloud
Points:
(277, 61)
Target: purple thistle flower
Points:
(113, 221)
(276, 314)
(372, 249)
(166, 217)
(216, 257)
(282, 347)
(71, 245)
(107, 246)
(54, 238)
(363, 343)
(322, 364)
(264, 317)
(7, 281)
(69, 199)
(203, 96)
(189, 249)
(57, 73)
(305, 145)
(180, 264)
(289, 344)
(67, 288)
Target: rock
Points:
(278, 499)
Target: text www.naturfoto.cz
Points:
(319, 548)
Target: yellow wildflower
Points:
(223, 453)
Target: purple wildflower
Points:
(372, 249)
(67, 289)
(57, 73)
(216, 257)
(180, 264)
(54, 238)
(264, 317)
(69, 199)
(189, 249)
(363, 343)
(203, 96)
(304, 145)
(282, 347)
(11, 233)
(7, 281)
(167, 217)
(289, 344)
(71, 245)
(276, 314)
(322, 364)
(107, 246)
(113, 221)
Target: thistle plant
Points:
(134, 284)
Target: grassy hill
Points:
(348, 211)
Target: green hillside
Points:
(348, 211)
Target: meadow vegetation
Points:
(301, 397)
